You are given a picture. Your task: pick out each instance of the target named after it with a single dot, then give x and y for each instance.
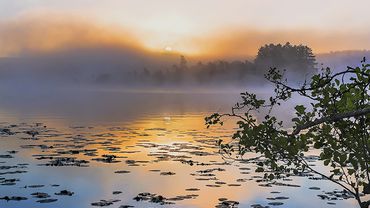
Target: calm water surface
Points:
(94, 144)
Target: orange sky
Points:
(208, 29)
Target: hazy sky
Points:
(197, 27)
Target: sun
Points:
(168, 49)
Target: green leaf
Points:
(259, 170)
(351, 171)
(326, 162)
(300, 109)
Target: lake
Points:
(143, 149)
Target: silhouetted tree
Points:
(335, 122)
(296, 59)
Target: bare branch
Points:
(332, 118)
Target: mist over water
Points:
(115, 123)
(108, 83)
(105, 103)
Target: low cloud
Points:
(44, 34)
(47, 33)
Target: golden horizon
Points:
(44, 34)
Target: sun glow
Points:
(168, 49)
(172, 36)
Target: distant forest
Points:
(297, 60)
(123, 67)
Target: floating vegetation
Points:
(104, 203)
(64, 193)
(121, 171)
(67, 161)
(121, 155)
(169, 173)
(40, 195)
(335, 195)
(107, 159)
(259, 206)
(6, 131)
(13, 198)
(275, 203)
(34, 186)
(152, 198)
(224, 203)
(8, 182)
(192, 189)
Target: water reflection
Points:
(157, 145)
(109, 105)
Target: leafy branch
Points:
(336, 122)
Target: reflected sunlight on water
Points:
(172, 155)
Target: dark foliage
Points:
(335, 122)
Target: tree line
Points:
(298, 60)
